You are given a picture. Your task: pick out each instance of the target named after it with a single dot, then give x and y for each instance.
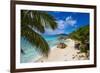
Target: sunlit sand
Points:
(66, 54)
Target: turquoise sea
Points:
(30, 51)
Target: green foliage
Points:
(83, 50)
(38, 20)
(82, 35)
(33, 23)
(36, 40)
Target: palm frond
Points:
(35, 39)
(28, 18)
(47, 20)
(38, 19)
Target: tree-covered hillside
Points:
(81, 35)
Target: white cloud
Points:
(62, 24)
(70, 21)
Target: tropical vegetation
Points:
(33, 23)
(82, 35)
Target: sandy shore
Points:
(67, 54)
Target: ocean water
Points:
(30, 52)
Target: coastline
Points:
(69, 53)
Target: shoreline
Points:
(66, 54)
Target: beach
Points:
(68, 53)
(50, 36)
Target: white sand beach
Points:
(67, 54)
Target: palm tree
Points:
(32, 24)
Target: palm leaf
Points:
(36, 40)
(28, 18)
(33, 22)
(38, 20)
(47, 20)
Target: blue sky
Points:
(68, 22)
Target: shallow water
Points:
(30, 52)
